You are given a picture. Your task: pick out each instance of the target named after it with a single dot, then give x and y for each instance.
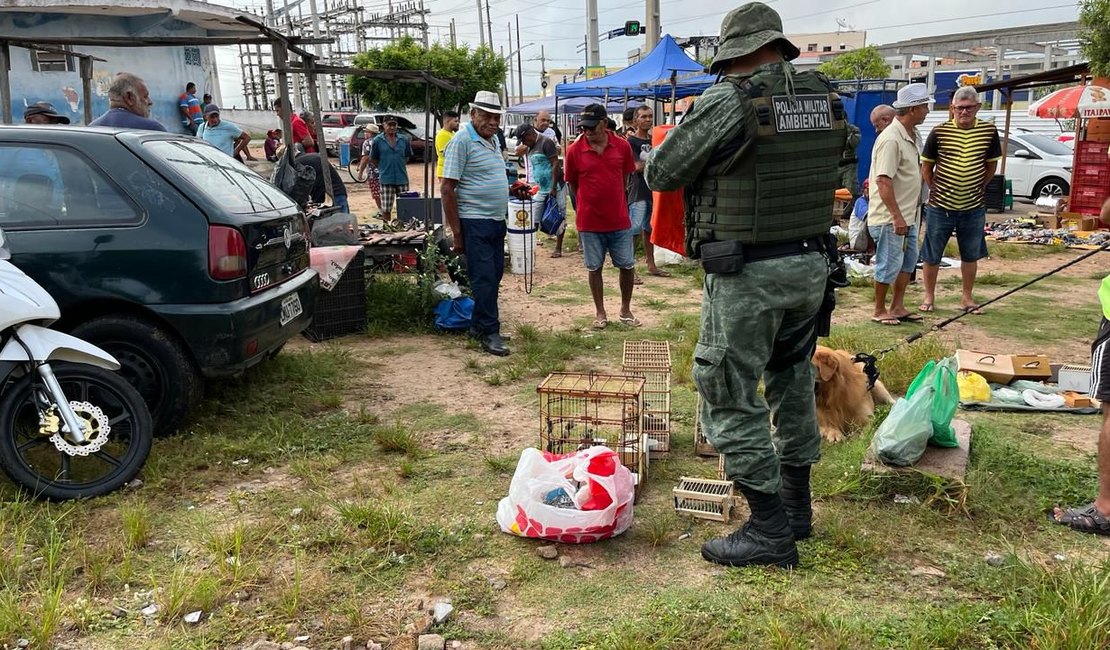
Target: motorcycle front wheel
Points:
(46, 464)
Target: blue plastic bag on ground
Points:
(455, 314)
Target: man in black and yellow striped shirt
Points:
(959, 159)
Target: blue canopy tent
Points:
(666, 72)
(645, 78)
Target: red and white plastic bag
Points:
(594, 490)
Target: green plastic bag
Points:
(902, 437)
(945, 398)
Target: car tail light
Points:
(227, 253)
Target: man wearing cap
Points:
(760, 156)
(390, 153)
(373, 182)
(597, 167)
(43, 113)
(224, 135)
(545, 170)
(895, 198)
(958, 162)
(475, 207)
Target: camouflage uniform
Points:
(757, 323)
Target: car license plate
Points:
(290, 308)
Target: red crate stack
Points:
(1091, 177)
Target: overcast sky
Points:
(559, 24)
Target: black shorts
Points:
(1100, 363)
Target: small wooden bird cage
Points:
(578, 411)
(704, 498)
(702, 446)
(721, 467)
(652, 361)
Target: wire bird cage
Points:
(702, 446)
(579, 410)
(704, 498)
(652, 361)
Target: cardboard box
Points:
(1076, 400)
(1088, 223)
(997, 368)
(1034, 367)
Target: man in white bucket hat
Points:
(475, 206)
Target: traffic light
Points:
(633, 28)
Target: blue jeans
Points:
(484, 249)
(940, 224)
(341, 201)
(617, 243)
(640, 214)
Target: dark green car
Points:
(161, 249)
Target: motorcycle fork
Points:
(70, 423)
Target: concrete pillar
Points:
(907, 59)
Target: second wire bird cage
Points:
(652, 361)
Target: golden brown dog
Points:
(843, 401)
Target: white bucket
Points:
(524, 216)
(522, 252)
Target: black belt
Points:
(760, 252)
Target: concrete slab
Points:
(945, 462)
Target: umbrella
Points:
(1082, 101)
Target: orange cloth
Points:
(668, 226)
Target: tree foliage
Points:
(476, 70)
(864, 63)
(1094, 34)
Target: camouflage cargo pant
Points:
(758, 324)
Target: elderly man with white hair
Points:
(957, 163)
(881, 117)
(128, 105)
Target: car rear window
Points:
(221, 178)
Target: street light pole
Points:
(519, 66)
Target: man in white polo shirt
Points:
(895, 194)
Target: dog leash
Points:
(880, 354)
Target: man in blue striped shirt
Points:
(475, 205)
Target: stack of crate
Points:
(1090, 182)
(652, 361)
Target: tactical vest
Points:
(779, 186)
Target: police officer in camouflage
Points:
(760, 156)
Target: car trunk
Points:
(277, 249)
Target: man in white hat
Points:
(475, 205)
(895, 193)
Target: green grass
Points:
(399, 303)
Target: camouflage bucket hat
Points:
(748, 28)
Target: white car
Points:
(1038, 165)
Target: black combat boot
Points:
(796, 501)
(765, 540)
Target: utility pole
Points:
(295, 100)
(424, 23)
(481, 32)
(509, 62)
(593, 47)
(489, 26)
(519, 66)
(652, 24)
(505, 87)
(318, 50)
(453, 33)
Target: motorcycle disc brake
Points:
(93, 421)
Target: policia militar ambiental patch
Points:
(802, 113)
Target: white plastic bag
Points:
(601, 489)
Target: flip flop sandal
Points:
(911, 318)
(888, 322)
(926, 307)
(600, 323)
(659, 274)
(637, 281)
(630, 321)
(1085, 520)
(556, 254)
(974, 310)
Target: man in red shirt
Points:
(596, 168)
(301, 134)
